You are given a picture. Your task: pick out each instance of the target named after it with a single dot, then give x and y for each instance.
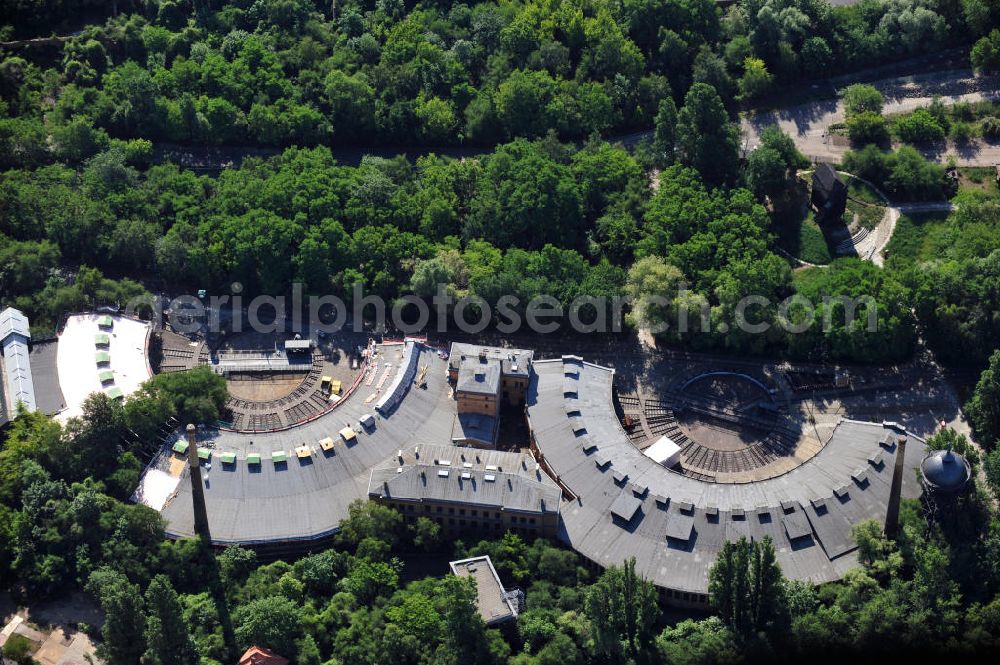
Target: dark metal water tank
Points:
(945, 471)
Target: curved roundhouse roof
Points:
(682, 522)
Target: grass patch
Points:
(978, 178)
(915, 238)
(869, 216)
(862, 191)
(19, 648)
(802, 238)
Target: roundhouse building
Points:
(288, 490)
(622, 504)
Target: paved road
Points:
(807, 123)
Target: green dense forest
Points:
(551, 203)
(305, 72)
(87, 219)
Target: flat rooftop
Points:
(491, 597)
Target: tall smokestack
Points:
(892, 513)
(197, 488)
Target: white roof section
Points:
(17, 366)
(664, 452)
(404, 377)
(13, 321)
(77, 364)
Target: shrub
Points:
(867, 127)
(985, 54)
(961, 132)
(919, 127)
(904, 174)
(862, 98)
(990, 127)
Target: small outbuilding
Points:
(829, 193)
(494, 603)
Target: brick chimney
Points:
(892, 512)
(197, 488)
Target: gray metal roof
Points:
(4, 416)
(513, 362)
(796, 524)
(308, 498)
(626, 506)
(680, 526)
(479, 377)
(719, 511)
(488, 478)
(14, 334)
(13, 321)
(475, 427)
(45, 377)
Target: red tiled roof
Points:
(261, 656)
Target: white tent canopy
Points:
(664, 452)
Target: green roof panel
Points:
(253, 458)
(228, 458)
(180, 446)
(102, 357)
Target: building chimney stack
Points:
(892, 512)
(197, 488)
